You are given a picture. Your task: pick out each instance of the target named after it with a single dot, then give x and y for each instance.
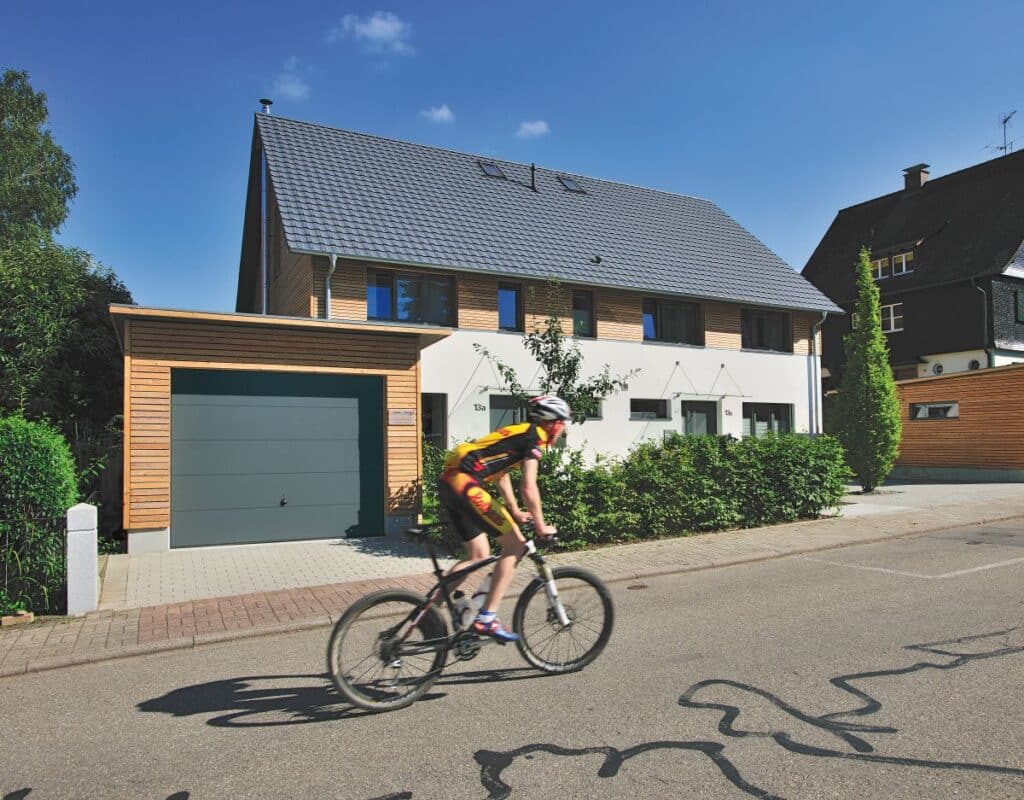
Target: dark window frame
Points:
(517, 409)
(659, 315)
(936, 404)
(520, 324)
(642, 416)
(438, 439)
(754, 339)
(591, 332)
(707, 405)
(484, 165)
(771, 408)
(571, 184)
(393, 277)
(1019, 296)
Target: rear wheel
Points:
(548, 644)
(378, 658)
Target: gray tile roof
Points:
(365, 196)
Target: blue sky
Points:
(781, 113)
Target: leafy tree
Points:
(869, 411)
(36, 175)
(41, 285)
(561, 362)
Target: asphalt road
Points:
(893, 670)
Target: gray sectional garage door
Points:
(271, 457)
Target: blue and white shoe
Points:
(495, 630)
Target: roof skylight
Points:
(491, 169)
(571, 184)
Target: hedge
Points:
(37, 487)
(683, 485)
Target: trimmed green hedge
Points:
(683, 485)
(37, 487)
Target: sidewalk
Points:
(116, 633)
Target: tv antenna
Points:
(1005, 148)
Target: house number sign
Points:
(402, 416)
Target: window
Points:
(902, 263)
(671, 321)
(648, 409)
(766, 330)
(892, 318)
(699, 418)
(880, 268)
(944, 410)
(760, 419)
(407, 297)
(571, 184)
(506, 410)
(1020, 305)
(510, 307)
(435, 419)
(491, 169)
(583, 314)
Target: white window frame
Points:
(922, 411)
(903, 259)
(877, 266)
(889, 317)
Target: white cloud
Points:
(382, 32)
(290, 84)
(440, 114)
(531, 130)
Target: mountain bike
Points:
(389, 647)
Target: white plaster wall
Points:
(951, 362)
(1003, 357)
(674, 372)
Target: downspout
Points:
(264, 233)
(989, 358)
(327, 286)
(816, 372)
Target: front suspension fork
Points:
(549, 584)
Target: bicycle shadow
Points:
(281, 700)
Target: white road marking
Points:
(917, 574)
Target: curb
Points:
(322, 621)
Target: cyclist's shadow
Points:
(272, 700)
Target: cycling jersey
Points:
(491, 456)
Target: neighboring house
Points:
(948, 257)
(369, 270)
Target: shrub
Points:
(37, 486)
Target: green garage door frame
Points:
(224, 486)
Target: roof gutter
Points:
(989, 358)
(816, 420)
(327, 285)
(264, 232)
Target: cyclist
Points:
(474, 511)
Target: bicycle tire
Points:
(372, 697)
(535, 642)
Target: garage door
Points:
(273, 457)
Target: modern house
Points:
(371, 273)
(948, 257)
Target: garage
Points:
(273, 457)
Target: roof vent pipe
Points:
(915, 177)
(266, 104)
(327, 286)
(533, 177)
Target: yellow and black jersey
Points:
(491, 456)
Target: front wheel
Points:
(379, 657)
(544, 640)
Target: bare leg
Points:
(477, 549)
(512, 551)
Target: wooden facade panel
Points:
(542, 299)
(619, 315)
(989, 433)
(802, 326)
(291, 291)
(348, 289)
(154, 347)
(722, 325)
(478, 302)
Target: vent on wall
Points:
(937, 369)
(974, 364)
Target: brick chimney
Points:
(915, 177)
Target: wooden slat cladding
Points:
(543, 299)
(291, 292)
(802, 325)
(478, 301)
(348, 288)
(619, 315)
(989, 433)
(722, 325)
(154, 347)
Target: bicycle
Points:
(381, 665)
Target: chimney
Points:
(915, 177)
(266, 104)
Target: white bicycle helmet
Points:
(548, 408)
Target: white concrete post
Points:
(82, 560)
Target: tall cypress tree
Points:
(870, 425)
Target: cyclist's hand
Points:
(547, 536)
(521, 516)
